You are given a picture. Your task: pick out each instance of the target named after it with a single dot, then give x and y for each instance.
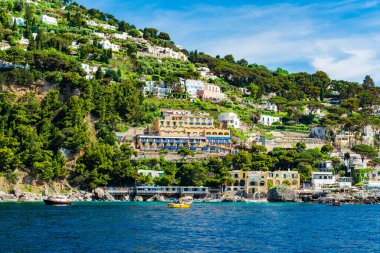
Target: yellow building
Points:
(260, 181)
(179, 129)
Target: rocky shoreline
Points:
(280, 194)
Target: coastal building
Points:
(321, 179)
(106, 44)
(48, 20)
(90, 70)
(260, 181)
(18, 21)
(100, 35)
(108, 27)
(343, 182)
(175, 131)
(121, 36)
(160, 52)
(191, 86)
(325, 166)
(156, 88)
(271, 107)
(317, 112)
(268, 120)
(206, 73)
(365, 175)
(229, 120)
(153, 173)
(210, 92)
(344, 140)
(318, 132)
(91, 23)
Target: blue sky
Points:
(341, 38)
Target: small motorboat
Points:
(57, 201)
(179, 205)
(184, 202)
(336, 203)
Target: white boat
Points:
(57, 201)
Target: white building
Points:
(318, 132)
(206, 73)
(106, 44)
(268, 120)
(192, 86)
(100, 35)
(230, 119)
(325, 166)
(121, 36)
(159, 90)
(152, 173)
(322, 179)
(19, 21)
(48, 20)
(318, 112)
(108, 27)
(90, 70)
(161, 52)
(92, 23)
(344, 182)
(271, 107)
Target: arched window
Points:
(252, 183)
(262, 183)
(242, 182)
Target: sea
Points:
(205, 227)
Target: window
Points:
(284, 175)
(277, 175)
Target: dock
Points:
(149, 191)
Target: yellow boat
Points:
(179, 205)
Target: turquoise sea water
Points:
(214, 227)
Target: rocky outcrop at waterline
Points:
(282, 194)
(342, 198)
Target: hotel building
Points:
(260, 181)
(180, 129)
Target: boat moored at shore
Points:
(57, 201)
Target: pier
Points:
(148, 191)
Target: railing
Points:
(157, 190)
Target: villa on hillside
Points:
(48, 20)
(175, 131)
(211, 92)
(108, 27)
(160, 52)
(156, 88)
(229, 120)
(318, 132)
(106, 44)
(268, 120)
(192, 86)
